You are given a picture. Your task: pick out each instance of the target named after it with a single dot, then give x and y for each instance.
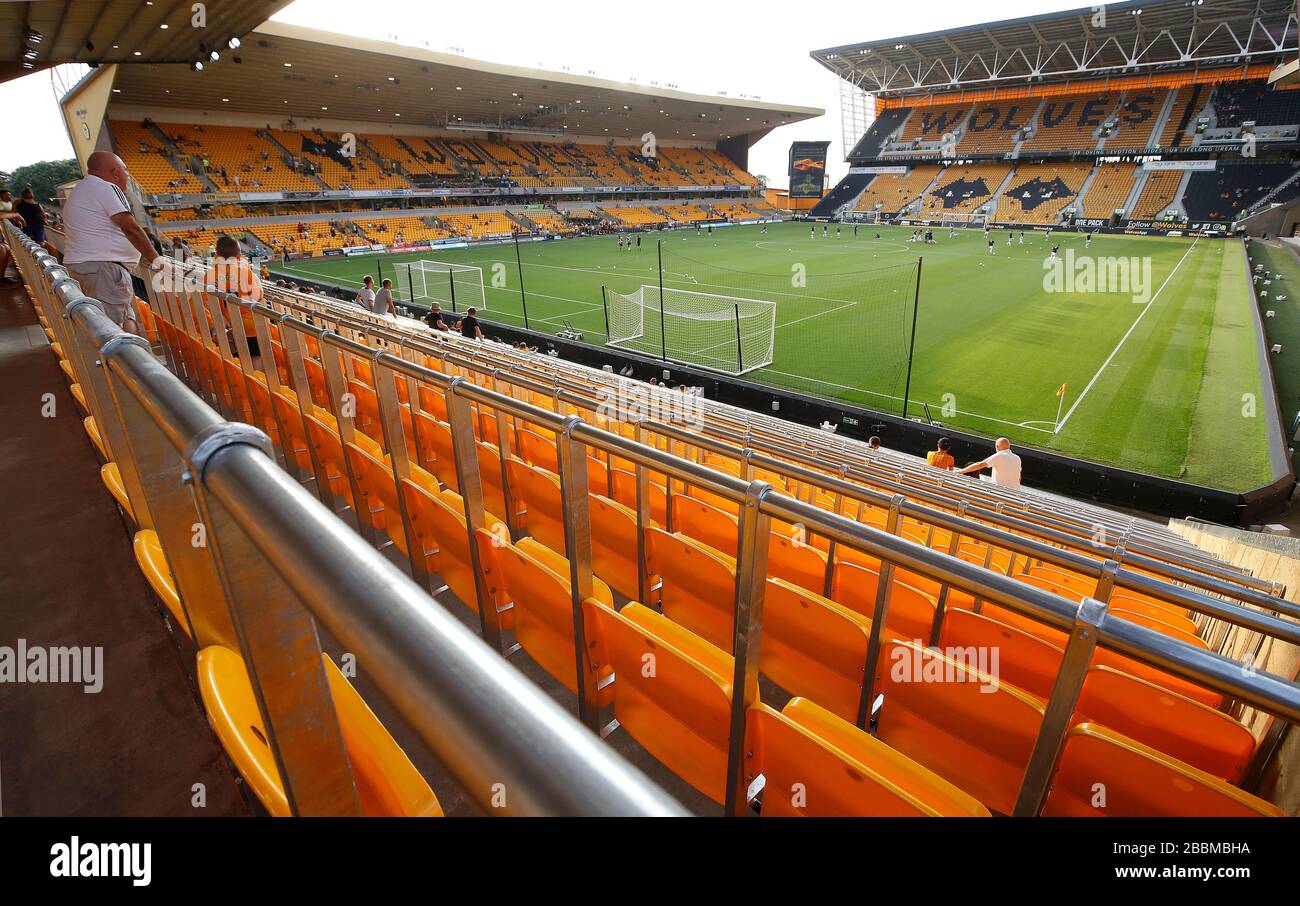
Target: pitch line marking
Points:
(987, 418)
(1136, 321)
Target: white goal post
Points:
(455, 287)
(722, 333)
(950, 221)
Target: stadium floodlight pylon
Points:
(723, 333)
(454, 286)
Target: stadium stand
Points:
(1109, 190)
(480, 225)
(684, 213)
(501, 536)
(1187, 101)
(633, 215)
(1040, 193)
(1159, 192)
(883, 127)
(1223, 193)
(1236, 103)
(1071, 121)
(962, 189)
(236, 158)
(996, 127)
(152, 162)
(932, 123)
(891, 192)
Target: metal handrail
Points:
(498, 734)
(1211, 576)
(1043, 606)
(888, 475)
(1087, 625)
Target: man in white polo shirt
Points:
(1004, 463)
(104, 243)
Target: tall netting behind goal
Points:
(719, 332)
(455, 287)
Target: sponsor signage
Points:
(1178, 165)
(897, 171)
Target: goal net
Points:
(724, 333)
(455, 287)
(951, 221)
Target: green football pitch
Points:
(1159, 372)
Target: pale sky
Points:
(760, 48)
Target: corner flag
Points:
(1060, 391)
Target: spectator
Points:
(103, 240)
(940, 457)
(434, 318)
(469, 326)
(231, 273)
(873, 442)
(366, 295)
(33, 216)
(1004, 463)
(383, 304)
(6, 202)
(4, 248)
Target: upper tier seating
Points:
(997, 126)
(238, 159)
(1136, 118)
(1256, 101)
(882, 127)
(150, 162)
(932, 123)
(1071, 121)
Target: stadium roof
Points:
(1090, 42)
(38, 35)
(286, 71)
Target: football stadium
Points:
(439, 437)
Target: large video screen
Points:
(808, 169)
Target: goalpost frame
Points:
(623, 329)
(427, 267)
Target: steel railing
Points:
(274, 558)
(394, 358)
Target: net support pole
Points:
(410, 283)
(911, 345)
(523, 296)
(663, 335)
(451, 282)
(740, 360)
(604, 303)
